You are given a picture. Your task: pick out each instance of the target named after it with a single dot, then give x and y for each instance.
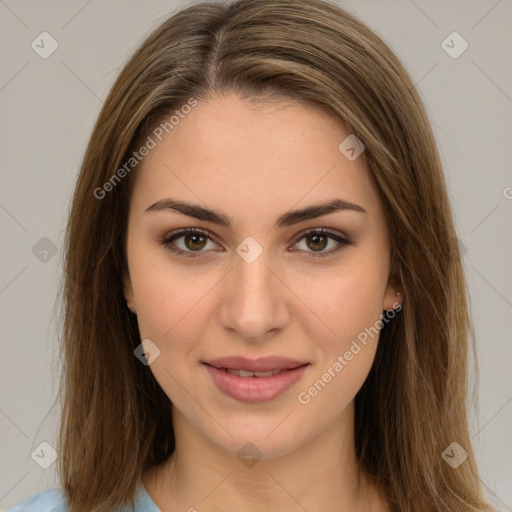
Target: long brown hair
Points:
(116, 420)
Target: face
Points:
(304, 291)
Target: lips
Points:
(257, 380)
(263, 364)
(247, 373)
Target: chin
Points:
(260, 439)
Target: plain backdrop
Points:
(48, 106)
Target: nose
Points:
(254, 299)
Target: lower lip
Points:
(255, 389)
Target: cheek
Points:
(349, 305)
(167, 297)
(167, 311)
(345, 358)
(345, 302)
(171, 314)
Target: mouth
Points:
(247, 373)
(255, 381)
(260, 365)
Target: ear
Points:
(128, 293)
(394, 293)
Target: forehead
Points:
(227, 150)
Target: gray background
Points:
(48, 108)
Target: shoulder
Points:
(52, 500)
(55, 500)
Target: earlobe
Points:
(394, 296)
(128, 293)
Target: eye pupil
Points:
(316, 237)
(194, 236)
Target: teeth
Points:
(246, 373)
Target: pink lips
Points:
(255, 388)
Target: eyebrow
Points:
(287, 219)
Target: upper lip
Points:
(262, 364)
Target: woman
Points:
(265, 307)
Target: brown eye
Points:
(317, 240)
(192, 245)
(194, 241)
(197, 242)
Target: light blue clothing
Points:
(54, 500)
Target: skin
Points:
(254, 164)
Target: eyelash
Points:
(167, 241)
